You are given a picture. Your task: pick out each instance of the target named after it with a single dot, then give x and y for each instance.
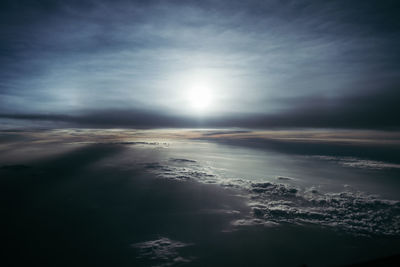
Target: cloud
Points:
(351, 211)
(162, 251)
(371, 110)
(281, 200)
(363, 146)
(360, 163)
(276, 203)
(270, 63)
(182, 160)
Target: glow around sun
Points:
(199, 98)
(198, 92)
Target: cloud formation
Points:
(162, 251)
(270, 63)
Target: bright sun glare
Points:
(200, 98)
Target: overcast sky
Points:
(262, 63)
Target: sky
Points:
(255, 64)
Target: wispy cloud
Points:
(301, 63)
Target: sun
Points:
(200, 98)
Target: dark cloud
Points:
(164, 251)
(376, 110)
(211, 133)
(373, 110)
(108, 118)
